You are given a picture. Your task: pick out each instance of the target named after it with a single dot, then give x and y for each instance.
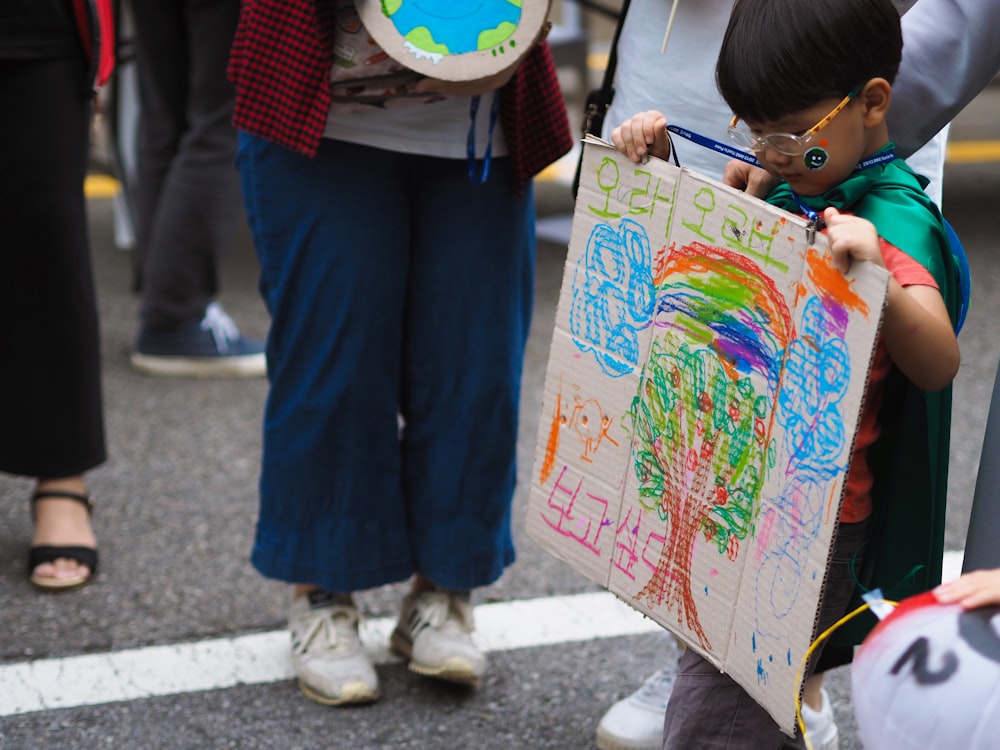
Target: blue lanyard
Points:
(477, 176)
(871, 161)
(736, 153)
(722, 148)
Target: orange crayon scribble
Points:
(801, 291)
(831, 504)
(831, 283)
(729, 366)
(552, 445)
(661, 267)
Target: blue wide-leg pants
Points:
(400, 294)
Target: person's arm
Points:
(916, 327)
(979, 588)
(951, 51)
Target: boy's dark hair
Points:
(779, 57)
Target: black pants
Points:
(51, 413)
(187, 195)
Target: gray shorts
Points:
(709, 711)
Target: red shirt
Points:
(280, 65)
(857, 498)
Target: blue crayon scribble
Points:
(817, 376)
(612, 296)
(761, 673)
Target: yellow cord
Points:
(809, 652)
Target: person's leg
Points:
(467, 317)
(467, 314)
(188, 191)
(709, 711)
(63, 545)
(190, 205)
(162, 72)
(332, 237)
(50, 385)
(817, 713)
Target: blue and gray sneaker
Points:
(212, 347)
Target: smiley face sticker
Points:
(815, 158)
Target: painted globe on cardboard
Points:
(928, 676)
(455, 40)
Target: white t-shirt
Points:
(436, 129)
(681, 82)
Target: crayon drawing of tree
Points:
(703, 416)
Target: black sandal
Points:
(43, 553)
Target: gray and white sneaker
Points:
(332, 666)
(435, 633)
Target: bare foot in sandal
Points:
(63, 551)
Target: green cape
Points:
(910, 459)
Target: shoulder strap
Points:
(598, 100)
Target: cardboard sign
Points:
(455, 41)
(702, 395)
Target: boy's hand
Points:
(851, 237)
(641, 134)
(752, 180)
(976, 589)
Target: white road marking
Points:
(263, 657)
(50, 684)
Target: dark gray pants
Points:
(709, 711)
(187, 195)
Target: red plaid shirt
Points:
(280, 65)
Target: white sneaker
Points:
(821, 729)
(435, 633)
(636, 722)
(332, 666)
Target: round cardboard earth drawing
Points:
(455, 40)
(446, 27)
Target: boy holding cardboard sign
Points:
(810, 84)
